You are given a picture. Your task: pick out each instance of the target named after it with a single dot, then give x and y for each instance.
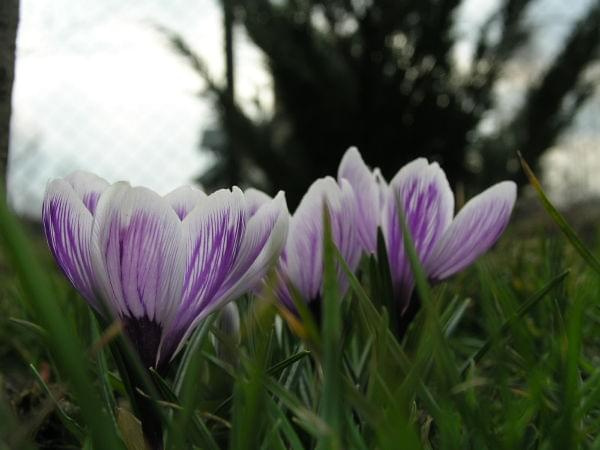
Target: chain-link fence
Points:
(99, 88)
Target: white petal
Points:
(88, 187)
(213, 236)
(259, 248)
(254, 200)
(184, 199)
(212, 240)
(304, 247)
(382, 186)
(367, 193)
(68, 229)
(474, 230)
(423, 192)
(263, 241)
(137, 253)
(344, 230)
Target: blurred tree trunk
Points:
(9, 18)
(233, 162)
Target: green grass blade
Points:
(523, 310)
(355, 436)
(331, 406)
(189, 396)
(433, 339)
(64, 344)
(591, 394)
(567, 435)
(30, 326)
(200, 434)
(102, 371)
(249, 425)
(287, 429)
(69, 423)
(453, 314)
(559, 219)
(433, 321)
(195, 343)
(371, 315)
(276, 368)
(306, 418)
(272, 371)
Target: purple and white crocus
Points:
(160, 264)
(301, 264)
(445, 243)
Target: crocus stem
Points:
(151, 422)
(139, 385)
(405, 319)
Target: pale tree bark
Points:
(9, 19)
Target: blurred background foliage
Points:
(383, 75)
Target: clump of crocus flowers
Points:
(161, 265)
(445, 243)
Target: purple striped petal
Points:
(212, 240)
(241, 248)
(136, 254)
(88, 188)
(423, 192)
(259, 248)
(263, 241)
(68, 228)
(474, 230)
(367, 192)
(303, 265)
(184, 199)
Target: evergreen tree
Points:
(550, 105)
(381, 75)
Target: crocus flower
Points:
(370, 192)
(301, 264)
(445, 243)
(159, 264)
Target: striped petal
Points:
(254, 200)
(423, 193)
(137, 254)
(184, 199)
(212, 241)
(474, 230)
(263, 241)
(367, 192)
(343, 228)
(254, 252)
(88, 188)
(68, 228)
(304, 249)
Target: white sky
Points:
(98, 88)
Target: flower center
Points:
(145, 336)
